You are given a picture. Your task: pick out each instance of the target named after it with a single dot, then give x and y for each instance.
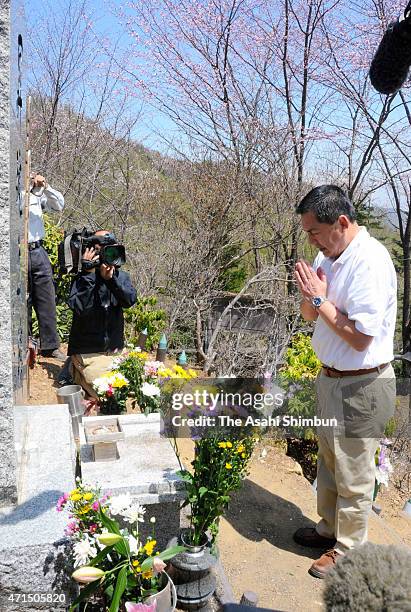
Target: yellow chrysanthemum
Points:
(228, 466)
(222, 445)
(87, 496)
(149, 547)
(240, 449)
(73, 492)
(76, 497)
(243, 455)
(143, 356)
(147, 575)
(229, 444)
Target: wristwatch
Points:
(318, 301)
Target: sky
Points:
(151, 122)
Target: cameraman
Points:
(41, 292)
(97, 298)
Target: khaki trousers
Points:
(362, 406)
(87, 368)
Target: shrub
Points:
(145, 315)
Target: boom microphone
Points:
(391, 62)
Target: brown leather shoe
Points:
(324, 564)
(308, 536)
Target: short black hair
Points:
(327, 202)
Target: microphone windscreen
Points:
(391, 62)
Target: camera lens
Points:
(114, 255)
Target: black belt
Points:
(35, 245)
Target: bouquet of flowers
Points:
(112, 390)
(135, 375)
(218, 469)
(383, 467)
(112, 561)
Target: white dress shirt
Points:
(44, 198)
(362, 284)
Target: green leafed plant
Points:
(218, 469)
(145, 315)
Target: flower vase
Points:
(191, 571)
(166, 599)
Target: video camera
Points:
(75, 243)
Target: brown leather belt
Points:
(333, 373)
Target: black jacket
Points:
(97, 304)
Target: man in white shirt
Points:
(351, 294)
(41, 290)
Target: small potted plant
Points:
(113, 565)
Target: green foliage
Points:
(301, 360)
(145, 315)
(298, 375)
(367, 215)
(232, 277)
(62, 282)
(390, 428)
(53, 236)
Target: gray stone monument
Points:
(12, 286)
(37, 453)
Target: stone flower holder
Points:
(103, 435)
(192, 574)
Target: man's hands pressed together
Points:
(314, 284)
(310, 283)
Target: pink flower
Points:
(62, 502)
(158, 565)
(139, 607)
(93, 528)
(71, 528)
(95, 505)
(110, 391)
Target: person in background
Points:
(97, 298)
(41, 291)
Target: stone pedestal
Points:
(146, 468)
(33, 550)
